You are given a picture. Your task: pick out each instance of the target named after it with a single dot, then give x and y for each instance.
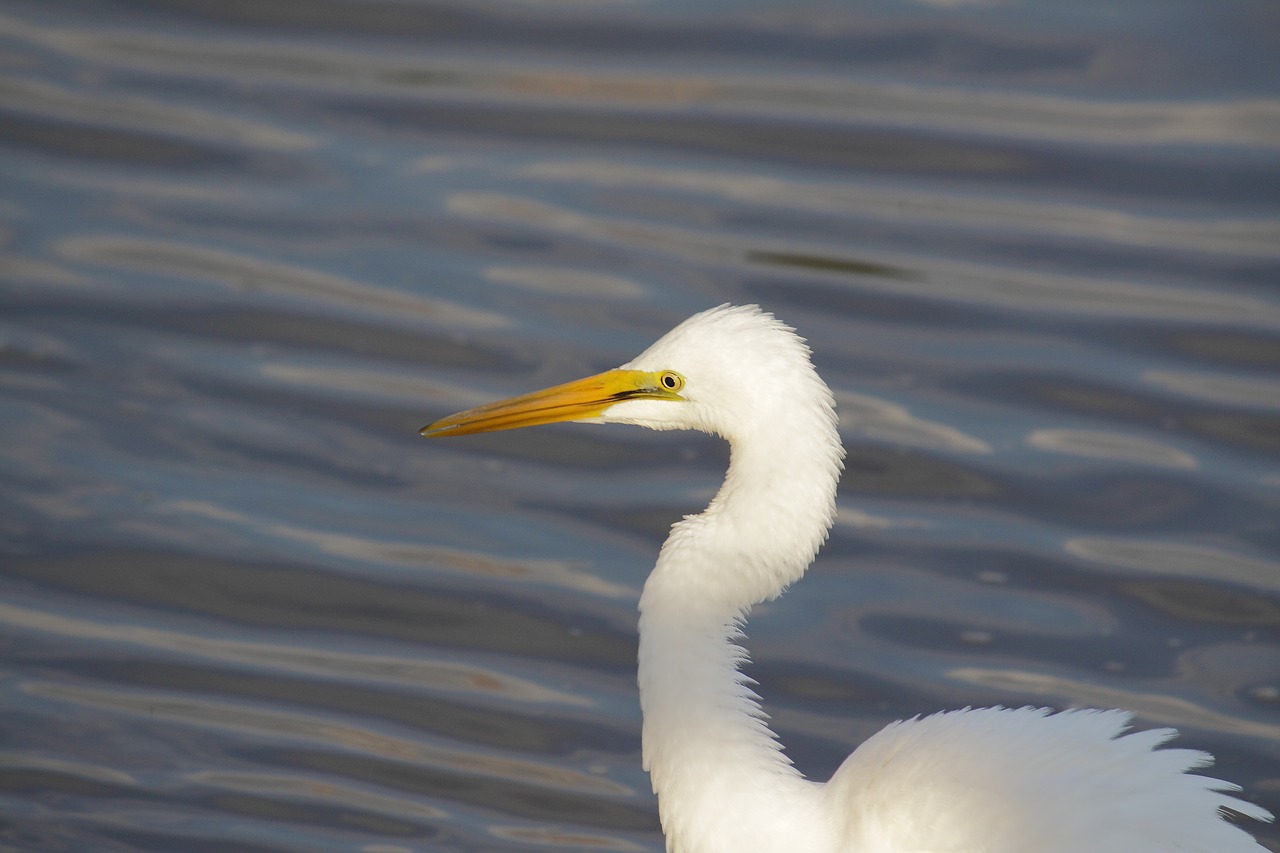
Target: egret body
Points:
(991, 780)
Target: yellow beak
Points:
(585, 398)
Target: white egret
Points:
(993, 780)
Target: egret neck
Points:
(757, 536)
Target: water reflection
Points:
(1177, 712)
(246, 273)
(880, 420)
(1167, 558)
(1095, 444)
(291, 728)
(407, 672)
(923, 207)
(562, 281)
(1246, 392)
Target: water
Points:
(250, 248)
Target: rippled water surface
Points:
(249, 248)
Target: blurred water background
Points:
(249, 248)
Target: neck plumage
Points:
(713, 760)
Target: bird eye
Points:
(671, 380)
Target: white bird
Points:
(990, 780)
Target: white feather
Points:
(979, 781)
(990, 780)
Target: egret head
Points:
(718, 371)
